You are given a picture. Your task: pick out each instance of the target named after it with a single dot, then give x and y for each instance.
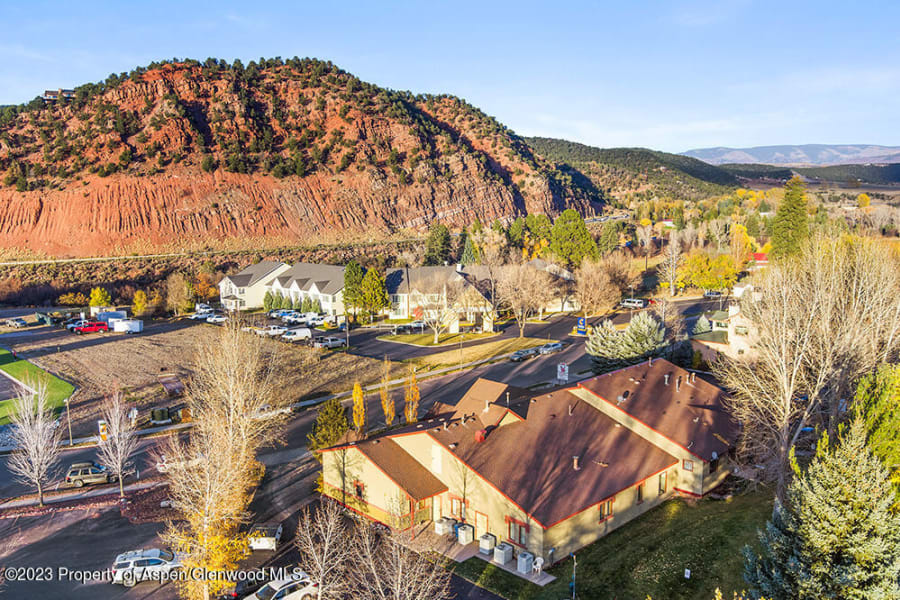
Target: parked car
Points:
(298, 587)
(201, 315)
(634, 303)
(216, 318)
(265, 536)
(294, 319)
(276, 313)
(16, 322)
(316, 321)
(551, 348)
(91, 327)
(272, 330)
(88, 473)
(200, 307)
(73, 323)
(243, 588)
(297, 335)
(712, 294)
(151, 564)
(420, 325)
(329, 342)
(525, 354)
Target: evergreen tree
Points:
(331, 424)
(539, 226)
(790, 227)
(469, 253)
(877, 403)
(836, 538)
(306, 305)
(570, 240)
(268, 300)
(753, 226)
(437, 245)
(298, 303)
(317, 305)
(516, 233)
(702, 326)
(373, 292)
(353, 276)
(609, 237)
(678, 218)
(610, 349)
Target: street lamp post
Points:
(69, 420)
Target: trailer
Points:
(111, 314)
(127, 325)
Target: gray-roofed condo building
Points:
(247, 288)
(322, 283)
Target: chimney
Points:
(570, 409)
(507, 398)
(487, 406)
(446, 426)
(575, 464)
(459, 267)
(678, 384)
(666, 376)
(650, 362)
(693, 377)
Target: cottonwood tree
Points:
(836, 537)
(595, 290)
(359, 409)
(386, 568)
(816, 330)
(437, 298)
(388, 406)
(36, 436)
(411, 396)
(326, 552)
(668, 268)
(644, 235)
(121, 441)
(524, 290)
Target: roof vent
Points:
(715, 455)
(575, 464)
(620, 399)
(445, 426)
(678, 384)
(650, 362)
(480, 435)
(487, 405)
(666, 377)
(453, 445)
(571, 407)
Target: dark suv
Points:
(88, 473)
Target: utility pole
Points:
(69, 420)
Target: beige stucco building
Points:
(549, 473)
(732, 335)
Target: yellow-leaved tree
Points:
(139, 302)
(100, 297)
(359, 409)
(411, 408)
(387, 402)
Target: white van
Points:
(634, 303)
(297, 335)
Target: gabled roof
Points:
(328, 279)
(693, 417)
(420, 279)
(402, 469)
(254, 273)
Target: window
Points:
(663, 482)
(518, 532)
(359, 489)
(457, 508)
(713, 465)
(740, 331)
(687, 465)
(640, 492)
(606, 509)
(241, 291)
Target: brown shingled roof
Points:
(693, 417)
(403, 469)
(531, 461)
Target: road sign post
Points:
(562, 372)
(101, 425)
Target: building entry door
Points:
(436, 508)
(481, 524)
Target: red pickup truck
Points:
(91, 327)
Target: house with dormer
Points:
(548, 473)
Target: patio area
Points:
(426, 539)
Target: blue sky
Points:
(667, 75)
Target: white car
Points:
(151, 564)
(201, 316)
(329, 342)
(297, 335)
(298, 587)
(265, 537)
(272, 330)
(216, 319)
(80, 323)
(17, 322)
(417, 325)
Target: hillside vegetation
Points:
(638, 173)
(853, 174)
(279, 148)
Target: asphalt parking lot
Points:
(8, 387)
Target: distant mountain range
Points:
(802, 155)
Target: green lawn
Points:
(57, 389)
(427, 339)
(475, 352)
(649, 555)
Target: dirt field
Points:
(100, 363)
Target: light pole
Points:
(69, 420)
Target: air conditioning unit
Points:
(525, 563)
(486, 543)
(444, 526)
(465, 534)
(503, 553)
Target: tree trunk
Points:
(121, 486)
(40, 494)
(436, 337)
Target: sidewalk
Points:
(54, 497)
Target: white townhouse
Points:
(246, 289)
(321, 283)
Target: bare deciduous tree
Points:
(595, 289)
(820, 321)
(644, 235)
(493, 250)
(325, 550)
(668, 268)
(438, 298)
(121, 441)
(618, 265)
(35, 435)
(386, 568)
(523, 290)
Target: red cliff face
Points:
(192, 155)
